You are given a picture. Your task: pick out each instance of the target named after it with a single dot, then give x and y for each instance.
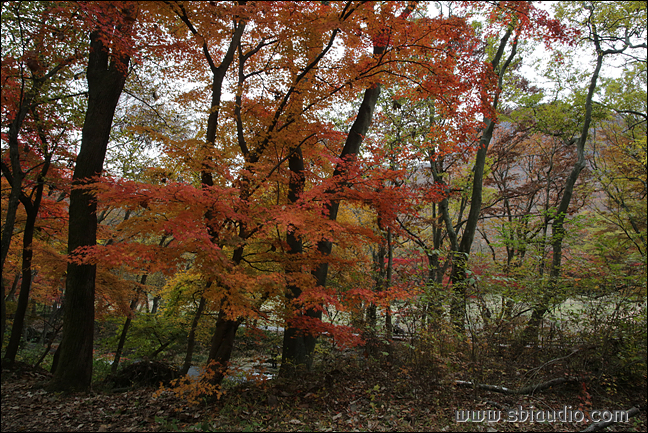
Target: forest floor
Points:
(350, 394)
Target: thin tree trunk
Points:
(351, 149)
(371, 316)
(133, 306)
(156, 305)
(222, 345)
(388, 282)
(28, 253)
(434, 308)
(191, 338)
(16, 175)
(32, 209)
(530, 334)
(124, 332)
(460, 259)
(222, 337)
(16, 170)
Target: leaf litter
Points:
(349, 398)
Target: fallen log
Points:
(526, 390)
(604, 424)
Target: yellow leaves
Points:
(183, 288)
(638, 147)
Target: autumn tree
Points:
(531, 156)
(428, 62)
(298, 349)
(408, 125)
(40, 110)
(618, 167)
(106, 73)
(247, 210)
(514, 20)
(619, 160)
(611, 30)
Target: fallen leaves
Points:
(400, 404)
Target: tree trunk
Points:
(27, 255)
(298, 343)
(32, 209)
(16, 175)
(16, 170)
(156, 304)
(299, 352)
(460, 259)
(434, 305)
(222, 344)
(530, 334)
(371, 316)
(124, 332)
(223, 336)
(388, 282)
(106, 76)
(191, 338)
(351, 149)
(294, 354)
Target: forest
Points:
(318, 215)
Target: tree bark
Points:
(222, 344)
(16, 175)
(28, 101)
(16, 171)
(106, 76)
(295, 356)
(388, 282)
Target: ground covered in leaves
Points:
(357, 394)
